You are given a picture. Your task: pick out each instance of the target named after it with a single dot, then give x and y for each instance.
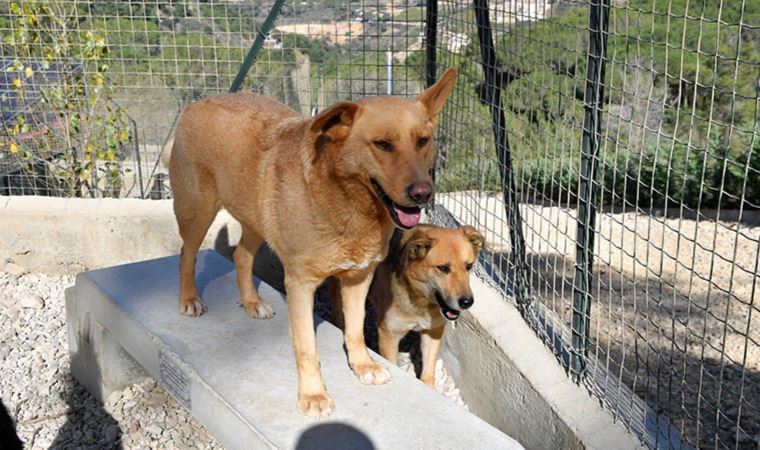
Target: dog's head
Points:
(437, 262)
(387, 143)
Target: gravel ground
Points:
(52, 410)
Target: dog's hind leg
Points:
(244, 257)
(195, 206)
(430, 344)
(332, 285)
(193, 230)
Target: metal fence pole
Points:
(503, 153)
(588, 189)
(431, 49)
(431, 40)
(256, 47)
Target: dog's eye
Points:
(469, 266)
(445, 268)
(384, 145)
(423, 141)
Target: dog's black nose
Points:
(466, 302)
(420, 191)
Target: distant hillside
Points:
(681, 125)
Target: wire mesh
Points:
(673, 327)
(157, 56)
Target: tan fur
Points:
(303, 186)
(404, 286)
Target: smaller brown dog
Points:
(422, 284)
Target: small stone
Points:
(7, 301)
(114, 398)
(14, 269)
(171, 422)
(154, 429)
(32, 301)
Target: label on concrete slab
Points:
(174, 379)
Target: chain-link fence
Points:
(609, 151)
(633, 152)
(90, 90)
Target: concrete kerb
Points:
(548, 409)
(46, 234)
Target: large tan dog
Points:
(325, 193)
(424, 282)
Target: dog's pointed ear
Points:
(418, 245)
(474, 237)
(415, 247)
(434, 97)
(336, 121)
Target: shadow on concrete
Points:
(88, 424)
(267, 268)
(267, 265)
(334, 436)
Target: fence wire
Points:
(673, 328)
(147, 59)
(668, 332)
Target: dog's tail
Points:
(166, 152)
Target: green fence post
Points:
(588, 189)
(256, 47)
(503, 153)
(431, 39)
(431, 49)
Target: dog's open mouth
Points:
(448, 313)
(404, 216)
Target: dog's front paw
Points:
(372, 373)
(258, 310)
(192, 307)
(316, 406)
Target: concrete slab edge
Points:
(567, 408)
(101, 312)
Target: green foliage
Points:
(697, 69)
(71, 125)
(413, 14)
(132, 40)
(232, 18)
(662, 176)
(702, 72)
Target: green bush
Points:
(659, 177)
(72, 127)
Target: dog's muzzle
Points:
(447, 312)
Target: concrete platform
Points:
(237, 375)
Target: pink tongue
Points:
(451, 314)
(407, 219)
